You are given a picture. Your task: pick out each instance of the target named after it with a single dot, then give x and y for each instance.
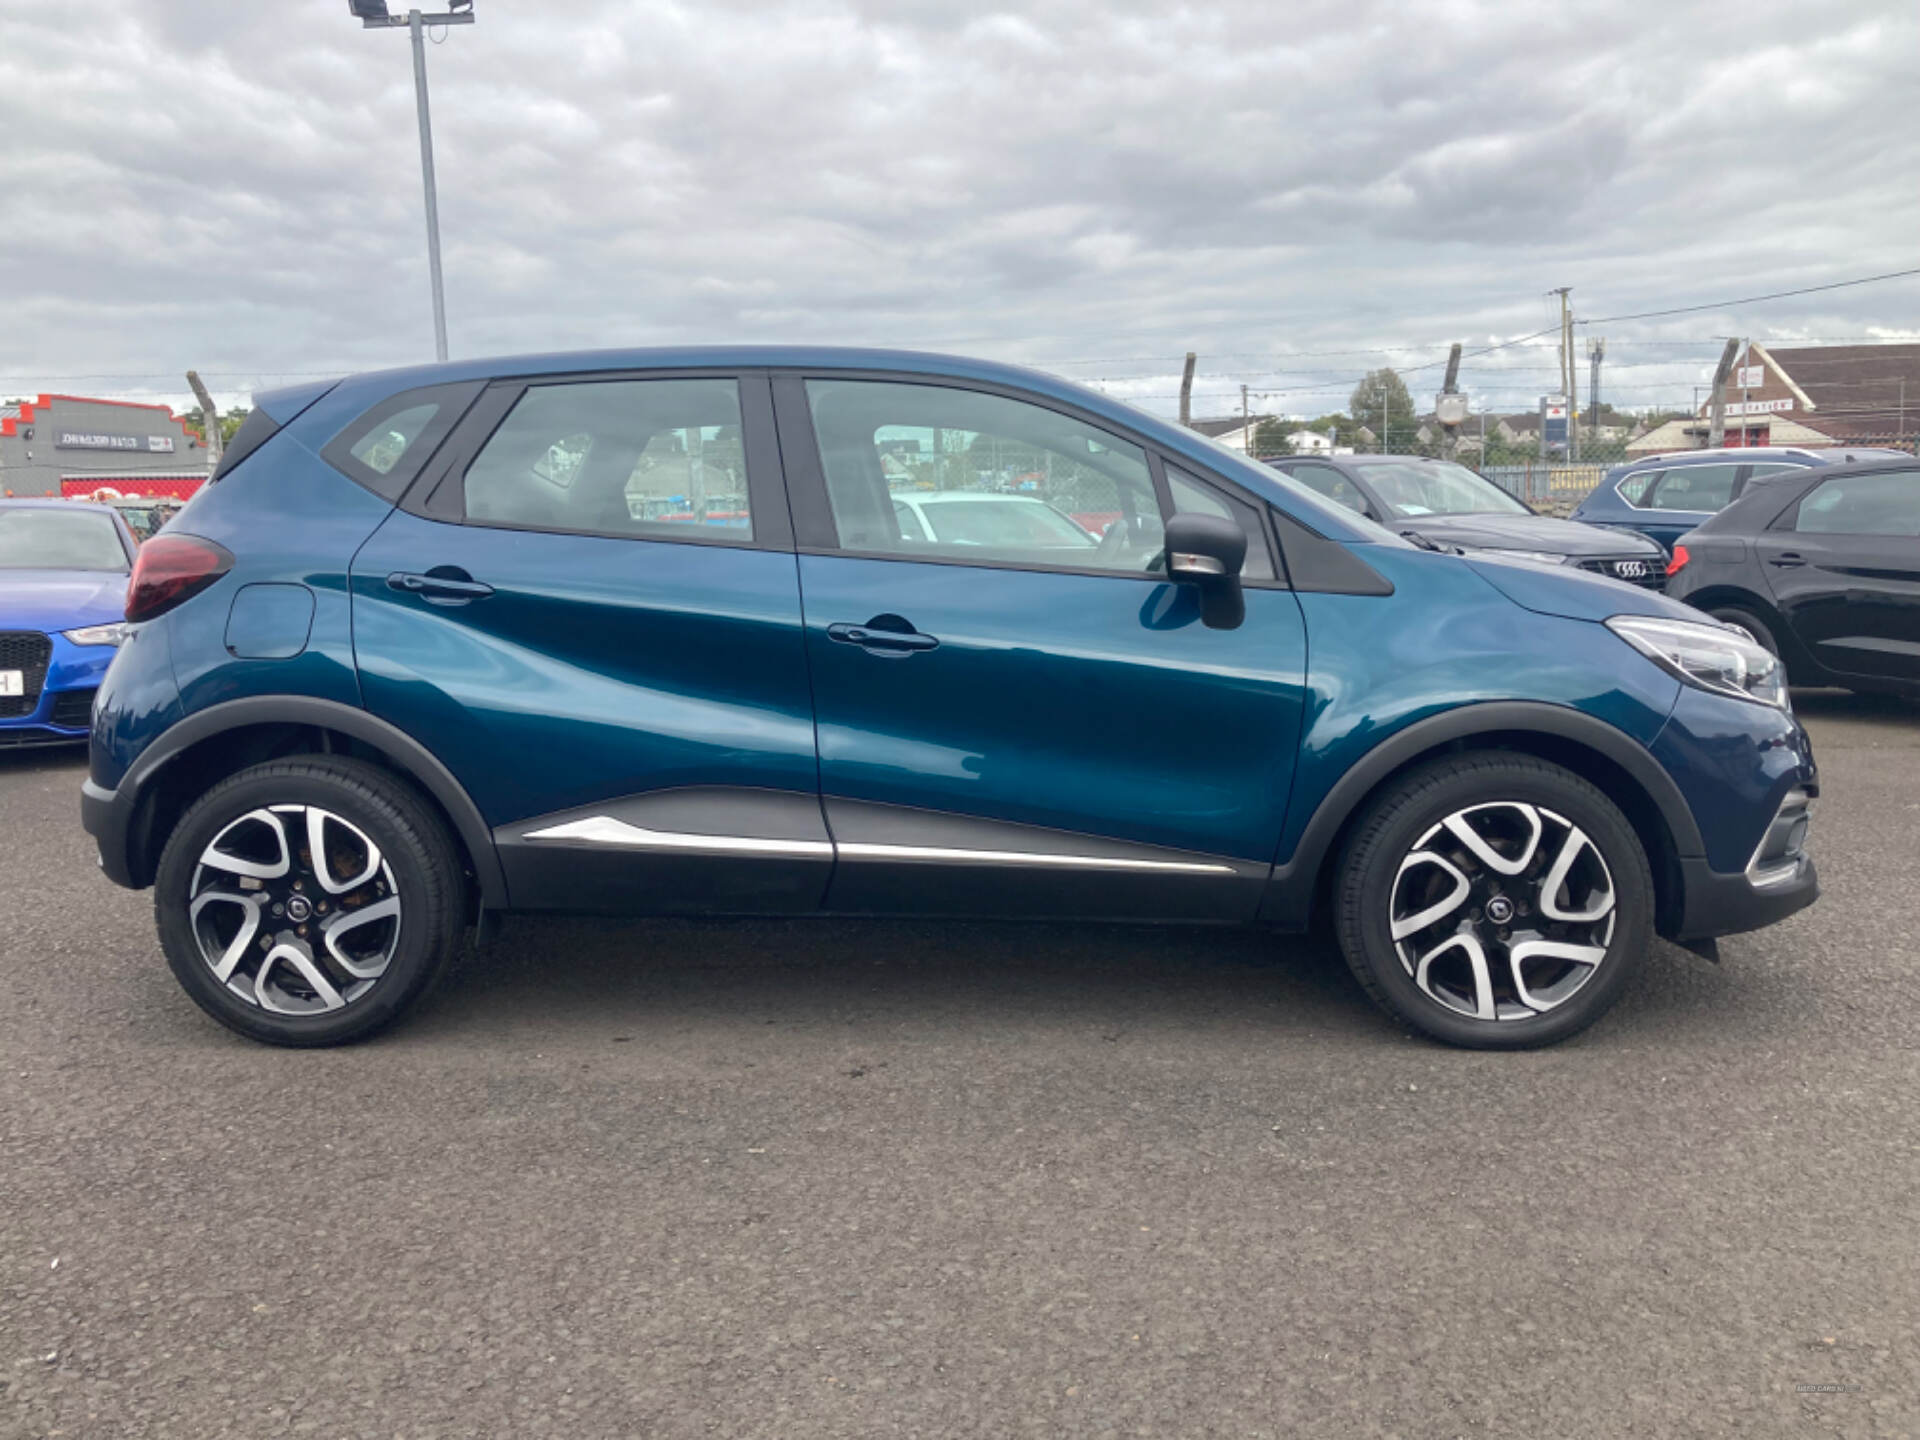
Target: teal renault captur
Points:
(804, 631)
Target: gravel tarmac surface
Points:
(864, 1179)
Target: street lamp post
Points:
(373, 15)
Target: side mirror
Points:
(1208, 552)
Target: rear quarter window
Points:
(386, 446)
(1634, 488)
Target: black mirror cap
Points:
(1205, 549)
(1209, 552)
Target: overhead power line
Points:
(1753, 299)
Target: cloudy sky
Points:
(1298, 192)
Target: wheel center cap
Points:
(1499, 910)
(298, 908)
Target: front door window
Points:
(930, 472)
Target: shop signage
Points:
(100, 440)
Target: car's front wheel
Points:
(1494, 900)
(309, 901)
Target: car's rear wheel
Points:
(309, 901)
(1494, 900)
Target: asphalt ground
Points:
(865, 1179)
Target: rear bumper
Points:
(1722, 904)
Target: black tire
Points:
(423, 874)
(1753, 625)
(1414, 808)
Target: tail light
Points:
(1679, 560)
(170, 569)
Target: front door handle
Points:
(1787, 559)
(881, 642)
(444, 585)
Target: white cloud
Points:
(235, 186)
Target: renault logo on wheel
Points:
(1630, 569)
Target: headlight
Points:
(1708, 656)
(1538, 557)
(111, 634)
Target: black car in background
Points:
(1448, 506)
(1823, 569)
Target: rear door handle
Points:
(442, 589)
(1787, 559)
(881, 642)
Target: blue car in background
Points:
(1664, 496)
(63, 586)
(464, 639)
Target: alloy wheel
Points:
(1502, 911)
(295, 910)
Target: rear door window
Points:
(660, 459)
(1695, 487)
(1884, 504)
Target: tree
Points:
(1270, 438)
(1381, 402)
(231, 422)
(1337, 426)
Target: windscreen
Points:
(1413, 488)
(32, 538)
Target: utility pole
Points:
(1246, 423)
(1450, 428)
(373, 15)
(1717, 421)
(1186, 392)
(697, 470)
(1596, 352)
(1746, 365)
(1569, 376)
(209, 419)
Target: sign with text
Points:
(1754, 407)
(1553, 422)
(101, 440)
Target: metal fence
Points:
(1547, 486)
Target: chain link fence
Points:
(1550, 488)
(1506, 450)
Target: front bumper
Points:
(61, 712)
(20, 734)
(1722, 904)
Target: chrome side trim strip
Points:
(605, 830)
(855, 850)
